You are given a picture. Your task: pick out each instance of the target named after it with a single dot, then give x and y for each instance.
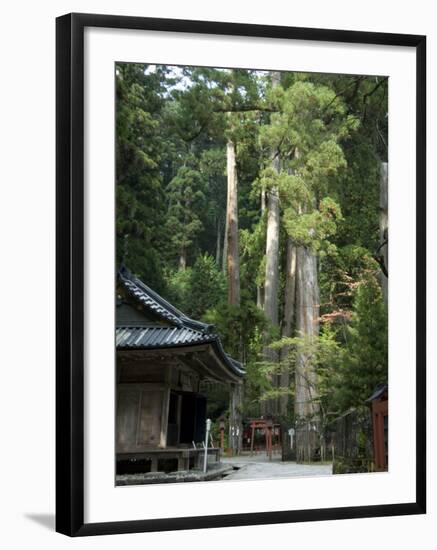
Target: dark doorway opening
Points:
(193, 418)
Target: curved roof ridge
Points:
(130, 336)
(158, 304)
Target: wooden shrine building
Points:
(162, 358)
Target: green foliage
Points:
(185, 195)
(208, 285)
(365, 359)
(140, 205)
(240, 328)
(342, 270)
(313, 229)
(349, 364)
(357, 189)
(328, 135)
(306, 133)
(178, 288)
(322, 353)
(197, 289)
(242, 331)
(252, 250)
(310, 118)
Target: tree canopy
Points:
(317, 142)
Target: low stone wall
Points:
(352, 442)
(215, 471)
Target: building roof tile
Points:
(179, 331)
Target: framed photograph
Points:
(240, 274)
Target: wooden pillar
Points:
(222, 433)
(154, 464)
(164, 418)
(379, 411)
(235, 419)
(165, 409)
(252, 439)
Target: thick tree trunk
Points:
(306, 407)
(260, 296)
(233, 277)
(289, 318)
(271, 285)
(235, 418)
(183, 259)
(383, 227)
(218, 243)
(263, 201)
(260, 288)
(233, 257)
(225, 245)
(271, 288)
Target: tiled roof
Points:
(156, 304)
(378, 392)
(151, 304)
(151, 337)
(183, 330)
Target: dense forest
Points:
(254, 200)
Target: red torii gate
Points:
(267, 425)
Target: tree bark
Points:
(271, 285)
(225, 244)
(383, 227)
(263, 201)
(233, 258)
(289, 318)
(183, 259)
(235, 418)
(260, 288)
(219, 243)
(272, 252)
(260, 296)
(233, 277)
(306, 407)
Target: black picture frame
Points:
(70, 273)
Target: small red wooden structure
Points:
(268, 427)
(379, 404)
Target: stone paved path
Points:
(258, 467)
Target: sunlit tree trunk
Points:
(271, 285)
(306, 405)
(218, 243)
(383, 227)
(233, 258)
(233, 277)
(288, 319)
(183, 259)
(263, 201)
(235, 418)
(260, 296)
(225, 246)
(260, 287)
